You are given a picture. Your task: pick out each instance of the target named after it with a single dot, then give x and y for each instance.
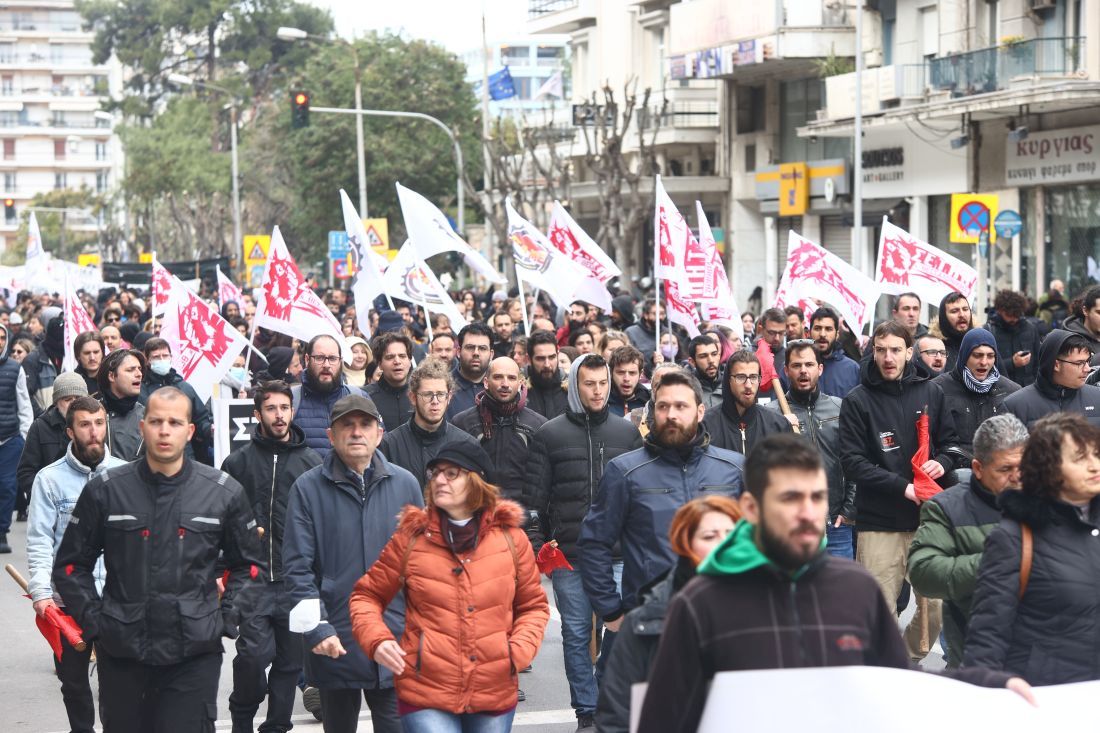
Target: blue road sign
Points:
(1008, 224)
(337, 245)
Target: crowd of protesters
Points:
(766, 494)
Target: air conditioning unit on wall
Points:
(1043, 4)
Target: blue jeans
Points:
(839, 541)
(439, 721)
(576, 635)
(9, 461)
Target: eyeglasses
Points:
(433, 396)
(473, 347)
(450, 472)
(325, 359)
(743, 378)
(935, 352)
(112, 319)
(1079, 364)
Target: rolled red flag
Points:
(550, 558)
(923, 484)
(767, 365)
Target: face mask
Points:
(160, 367)
(237, 374)
(668, 351)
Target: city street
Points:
(32, 693)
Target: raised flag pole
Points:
(522, 301)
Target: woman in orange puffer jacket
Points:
(475, 611)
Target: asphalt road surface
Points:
(32, 694)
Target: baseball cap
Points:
(465, 454)
(69, 384)
(354, 403)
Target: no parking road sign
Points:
(972, 214)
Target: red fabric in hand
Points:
(550, 558)
(923, 484)
(767, 365)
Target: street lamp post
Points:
(188, 81)
(297, 34)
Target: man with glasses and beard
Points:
(267, 468)
(740, 423)
(56, 489)
(642, 489)
(770, 597)
(474, 353)
(417, 442)
(322, 385)
(546, 395)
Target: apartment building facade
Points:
(53, 133)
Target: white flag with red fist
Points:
(680, 309)
(906, 264)
(540, 263)
(228, 292)
(287, 302)
(671, 236)
(814, 272)
(162, 287)
(203, 343)
(706, 274)
(573, 242)
(77, 321)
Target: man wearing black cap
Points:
(341, 514)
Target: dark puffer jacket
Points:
(411, 446)
(878, 437)
(547, 397)
(946, 551)
(1044, 396)
(1052, 635)
(968, 408)
(569, 454)
(267, 469)
(312, 411)
(509, 446)
(392, 403)
(1022, 336)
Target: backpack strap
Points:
(1026, 549)
(512, 549)
(405, 559)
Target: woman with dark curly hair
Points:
(1036, 609)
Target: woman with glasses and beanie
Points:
(1036, 610)
(475, 611)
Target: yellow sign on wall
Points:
(972, 214)
(145, 258)
(794, 189)
(88, 259)
(378, 233)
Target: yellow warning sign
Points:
(378, 233)
(255, 255)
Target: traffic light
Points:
(299, 106)
(9, 210)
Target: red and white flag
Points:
(77, 321)
(722, 313)
(539, 263)
(906, 264)
(671, 236)
(815, 272)
(572, 241)
(706, 274)
(162, 287)
(288, 304)
(203, 343)
(228, 292)
(680, 309)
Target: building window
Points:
(750, 109)
(9, 149)
(101, 151)
(9, 118)
(9, 215)
(930, 32)
(101, 180)
(59, 150)
(60, 181)
(798, 104)
(7, 84)
(515, 55)
(9, 182)
(58, 119)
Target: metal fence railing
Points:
(990, 69)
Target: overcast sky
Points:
(456, 24)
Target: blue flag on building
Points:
(500, 85)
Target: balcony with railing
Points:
(559, 16)
(999, 67)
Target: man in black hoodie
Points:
(740, 423)
(44, 364)
(627, 392)
(267, 467)
(878, 438)
(391, 393)
(955, 321)
(546, 396)
(705, 359)
(570, 453)
(1017, 338)
(1060, 384)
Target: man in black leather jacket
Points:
(570, 453)
(267, 468)
(160, 523)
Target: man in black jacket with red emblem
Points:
(267, 468)
(160, 523)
